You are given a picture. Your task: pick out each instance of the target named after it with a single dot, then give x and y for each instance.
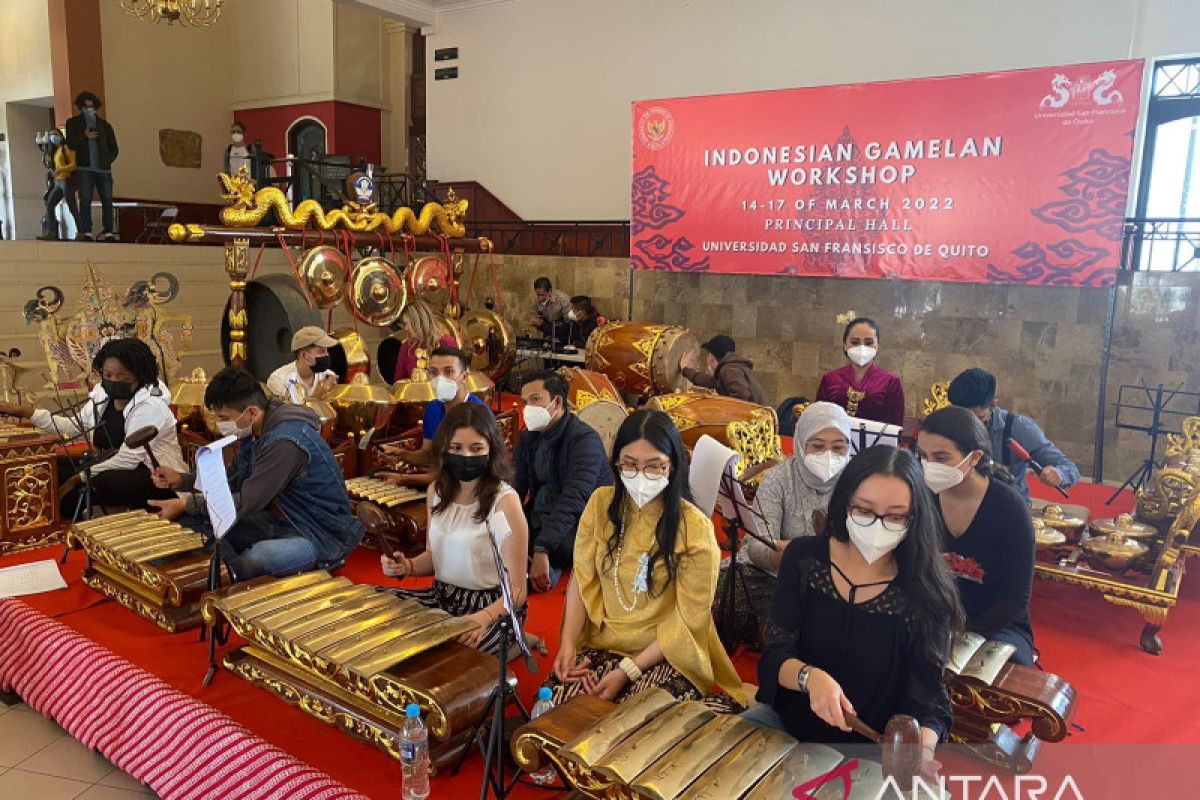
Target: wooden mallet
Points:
(142, 437)
(900, 745)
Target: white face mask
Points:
(229, 427)
(237, 138)
(537, 418)
(445, 388)
(940, 477)
(861, 354)
(572, 316)
(874, 541)
(827, 465)
(643, 489)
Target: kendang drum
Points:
(592, 397)
(749, 429)
(641, 359)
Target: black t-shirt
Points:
(993, 563)
(874, 650)
(110, 429)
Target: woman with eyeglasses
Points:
(988, 541)
(469, 502)
(638, 608)
(863, 614)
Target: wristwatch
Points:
(802, 677)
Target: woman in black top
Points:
(864, 614)
(989, 541)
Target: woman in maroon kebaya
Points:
(860, 387)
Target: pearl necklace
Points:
(640, 583)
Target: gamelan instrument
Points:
(353, 657)
(323, 272)
(653, 746)
(641, 359)
(275, 309)
(155, 568)
(396, 517)
(749, 429)
(593, 398)
(28, 489)
(187, 402)
(489, 342)
(360, 406)
(378, 293)
(990, 694)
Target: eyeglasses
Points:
(655, 470)
(892, 522)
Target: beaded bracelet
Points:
(630, 668)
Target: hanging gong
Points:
(430, 281)
(275, 310)
(323, 270)
(377, 292)
(488, 341)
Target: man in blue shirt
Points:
(975, 389)
(448, 374)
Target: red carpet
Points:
(1125, 695)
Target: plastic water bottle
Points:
(546, 775)
(414, 754)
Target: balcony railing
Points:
(583, 239)
(1164, 244)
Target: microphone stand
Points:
(502, 692)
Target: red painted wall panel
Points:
(352, 129)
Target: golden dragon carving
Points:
(247, 208)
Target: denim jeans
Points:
(274, 557)
(764, 716)
(103, 183)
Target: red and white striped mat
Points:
(182, 748)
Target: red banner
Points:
(1009, 177)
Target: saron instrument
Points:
(396, 517)
(641, 359)
(749, 429)
(593, 398)
(155, 568)
(652, 746)
(355, 657)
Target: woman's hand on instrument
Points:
(394, 478)
(165, 477)
(395, 566)
(568, 668)
(472, 637)
(610, 686)
(827, 700)
(20, 410)
(688, 361)
(171, 509)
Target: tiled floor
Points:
(40, 761)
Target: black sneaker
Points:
(83, 237)
(108, 236)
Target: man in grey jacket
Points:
(728, 373)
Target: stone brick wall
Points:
(1043, 343)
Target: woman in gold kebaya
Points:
(639, 608)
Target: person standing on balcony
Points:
(95, 146)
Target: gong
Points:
(488, 341)
(323, 270)
(429, 280)
(275, 310)
(377, 292)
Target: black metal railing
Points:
(584, 238)
(1163, 244)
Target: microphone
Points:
(1023, 454)
(142, 437)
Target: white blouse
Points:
(459, 545)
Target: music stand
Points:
(866, 433)
(1159, 406)
(497, 702)
(739, 516)
(90, 457)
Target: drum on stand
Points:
(641, 359)
(593, 398)
(747, 428)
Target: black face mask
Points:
(117, 390)
(466, 468)
(322, 363)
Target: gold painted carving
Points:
(853, 398)
(29, 496)
(939, 398)
(246, 208)
(131, 601)
(756, 440)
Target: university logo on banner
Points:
(1010, 177)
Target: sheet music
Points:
(213, 483)
(710, 460)
(34, 578)
(872, 433)
(293, 388)
(498, 532)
